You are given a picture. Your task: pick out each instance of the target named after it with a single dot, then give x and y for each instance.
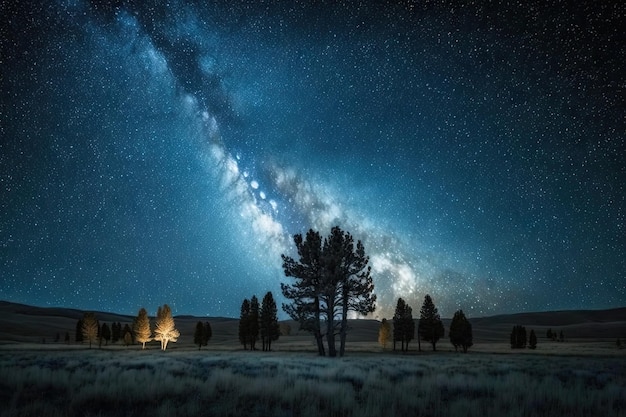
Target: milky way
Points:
(168, 154)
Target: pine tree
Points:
(384, 333)
(253, 322)
(79, 331)
(518, 337)
(270, 330)
(403, 325)
(128, 335)
(208, 332)
(165, 329)
(532, 340)
(116, 331)
(90, 328)
(199, 336)
(430, 324)
(460, 331)
(105, 333)
(244, 321)
(67, 338)
(141, 328)
(549, 334)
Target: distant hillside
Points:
(23, 323)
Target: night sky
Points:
(157, 154)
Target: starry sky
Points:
(166, 152)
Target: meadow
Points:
(115, 381)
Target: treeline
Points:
(429, 327)
(255, 322)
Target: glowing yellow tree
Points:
(141, 327)
(165, 331)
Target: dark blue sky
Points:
(167, 154)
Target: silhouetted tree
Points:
(201, 335)
(141, 328)
(549, 334)
(253, 322)
(67, 338)
(105, 333)
(332, 278)
(430, 324)
(244, 323)
(165, 329)
(128, 335)
(460, 332)
(403, 325)
(384, 333)
(90, 328)
(518, 337)
(270, 331)
(532, 340)
(116, 332)
(79, 331)
(561, 336)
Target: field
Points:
(124, 382)
(584, 376)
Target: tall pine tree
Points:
(244, 321)
(141, 327)
(430, 324)
(460, 332)
(253, 322)
(270, 330)
(165, 329)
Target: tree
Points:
(105, 333)
(67, 338)
(460, 332)
(127, 335)
(384, 333)
(116, 332)
(549, 334)
(518, 337)
(253, 322)
(202, 334)
(561, 336)
(90, 328)
(430, 324)
(165, 330)
(79, 331)
(141, 328)
(332, 279)
(244, 321)
(270, 331)
(403, 325)
(532, 340)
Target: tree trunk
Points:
(330, 327)
(318, 332)
(344, 326)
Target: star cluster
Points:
(168, 153)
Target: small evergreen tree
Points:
(90, 328)
(270, 330)
(116, 331)
(403, 325)
(561, 336)
(200, 335)
(384, 333)
(549, 334)
(105, 333)
(532, 340)
(460, 331)
(518, 337)
(244, 322)
(128, 335)
(79, 331)
(430, 324)
(141, 328)
(253, 322)
(67, 338)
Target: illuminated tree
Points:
(244, 322)
(90, 328)
(430, 324)
(165, 330)
(270, 331)
(460, 332)
(253, 322)
(403, 325)
(384, 333)
(141, 328)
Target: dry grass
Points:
(120, 382)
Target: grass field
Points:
(73, 381)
